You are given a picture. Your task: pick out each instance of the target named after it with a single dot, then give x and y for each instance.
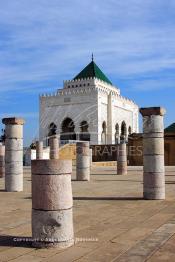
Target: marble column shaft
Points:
(39, 149)
(2, 161)
(13, 154)
(90, 156)
(54, 147)
(122, 159)
(153, 153)
(82, 161)
(52, 221)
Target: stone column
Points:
(54, 147)
(2, 161)
(52, 222)
(39, 149)
(82, 161)
(122, 159)
(153, 153)
(13, 154)
(90, 156)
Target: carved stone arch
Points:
(84, 131)
(68, 129)
(52, 129)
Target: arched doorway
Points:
(116, 133)
(103, 135)
(123, 132)
(52, 130)
(67, 130)
(84, 133)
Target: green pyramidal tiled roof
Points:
(170, 128)
(92, 70)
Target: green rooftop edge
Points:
(92, 70)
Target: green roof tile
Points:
(170, 128)
(92, 70)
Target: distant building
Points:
(88, 107)
(136, 143)
(170, 128)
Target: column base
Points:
(14, 183)
(151, 194)
(122, 168)
(83, 174)
(52, 228)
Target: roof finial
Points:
(92, 57)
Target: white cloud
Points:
(42, 41)
(153, 84)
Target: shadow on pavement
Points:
(108, 198)
(15, 241)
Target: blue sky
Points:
(44, 42)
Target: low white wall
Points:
(30, 154)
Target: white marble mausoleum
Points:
(88, 107)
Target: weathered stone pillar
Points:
(2, 161)
(54, 147)
(39, 149)
(82, 161)
(52, 222)
(90, 156)
(13, 154)
(122, 159)
(153, 153)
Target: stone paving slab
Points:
(109, 209)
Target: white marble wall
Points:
(87, 100)
(81, 106)
(122, 110)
